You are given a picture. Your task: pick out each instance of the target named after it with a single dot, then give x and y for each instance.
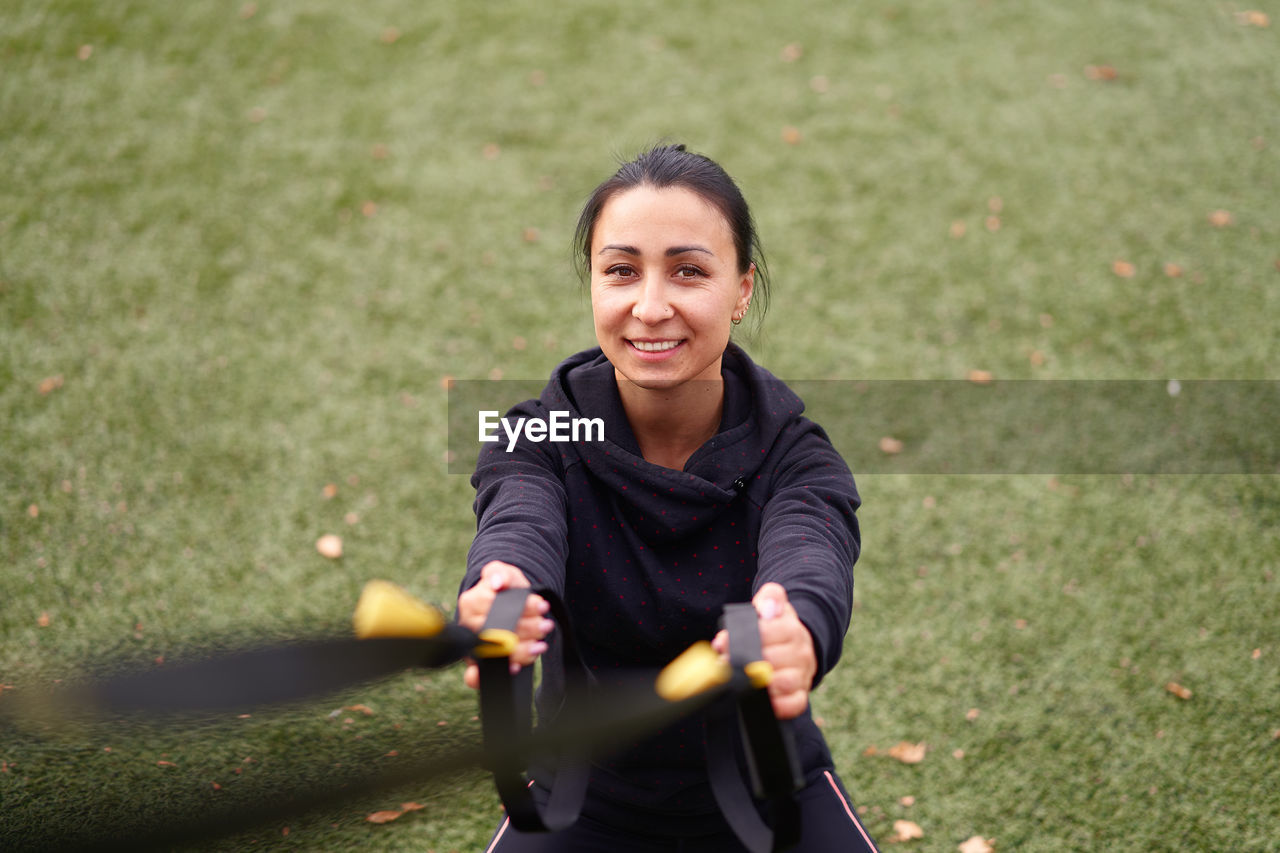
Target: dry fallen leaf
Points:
(412, 807)
(976, 844)
(491, 151)
(905, 830)
(1101, 72)
(980, 377)
(908, 800)
(792, 52)
(1172, 270)
(1253, 18)
(50, 384)
(390, 35)
(972, 714)
(43, 620)
(363, 709)
(1178, 690)
(890, 445)
(958, 228)
(1221, 218)
(384, 816)
(791, 135)
(330, 545)
(1257, 653)
(1124, 269)
(330, 490)
(907, 752)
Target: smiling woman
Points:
(709, 488)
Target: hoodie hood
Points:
(757, 409)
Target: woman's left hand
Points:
(788, 647)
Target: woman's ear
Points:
(746, 287)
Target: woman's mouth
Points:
(655, 346)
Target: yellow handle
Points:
(496, 643)
(698, 668)
(387, 610)
(760, 673)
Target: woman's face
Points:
(665, 286)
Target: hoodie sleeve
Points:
(520, 511)
(809, 539)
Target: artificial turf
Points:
(243, 247)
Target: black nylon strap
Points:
(506, 720)
(769, 745)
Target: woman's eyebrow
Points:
(672, 252)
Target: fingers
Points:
(771, 602)
(788, 706)
(474, 604)
(499, 575)
(788, 647)
(532, 628)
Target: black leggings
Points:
(827, 821)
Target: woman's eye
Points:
(620, 271)
(688, 272)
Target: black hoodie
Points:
(645, 557)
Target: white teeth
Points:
(655, 346)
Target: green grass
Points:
(251, 247)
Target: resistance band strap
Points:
(506, 719)
(768, 743)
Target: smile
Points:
(655, 346)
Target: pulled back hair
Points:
(673, 166)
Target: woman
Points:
(708, 488)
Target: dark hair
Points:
(672, 166)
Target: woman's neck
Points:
(671, 424)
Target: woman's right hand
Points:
(532, 629)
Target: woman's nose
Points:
(652, 305)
